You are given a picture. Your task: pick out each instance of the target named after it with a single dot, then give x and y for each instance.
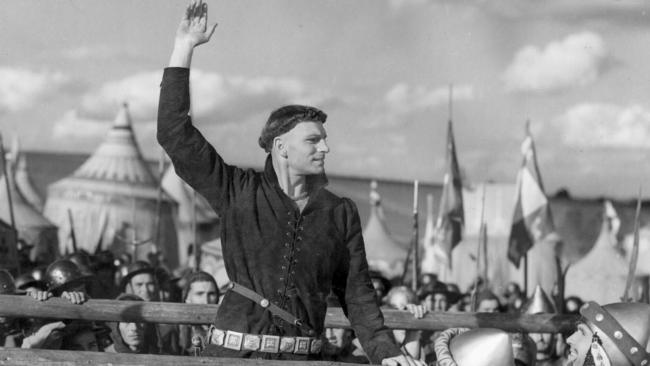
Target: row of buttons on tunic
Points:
(288, 265)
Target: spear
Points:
(416, 254)
(481, 239)
(73, 237)
(634, 257)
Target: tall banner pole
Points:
(416, 251)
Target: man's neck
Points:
(294, 186)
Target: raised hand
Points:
(193, 29)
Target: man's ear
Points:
(280, 146)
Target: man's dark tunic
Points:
(290, 257)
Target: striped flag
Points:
(532, 219)
(451, 217)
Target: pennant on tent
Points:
(532, 219)
(451, 217)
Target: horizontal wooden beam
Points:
(174, 313)
(18, 356)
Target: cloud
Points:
(72, 126)
(214, 96)
(592, 125)
(574, 61)
(402, 98)
(21, 88)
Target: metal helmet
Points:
(475, 347)
(135, 269)
(624, 329)
(538, 303)
(7, 284)
(27, 280)
(63, 274)
(82, 260)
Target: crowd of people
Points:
(79, 277)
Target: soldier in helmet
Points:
(140, 280)
(615, 334)
(540, 303)
(26, 282)
(64, 279)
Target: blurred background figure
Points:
(140, 280)
(487, 302)
(132, 337)
(339, 345)
(199, 288)
(545, 343)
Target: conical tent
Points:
(33, 228)
(384, 254)
(113, 199)
(207, 220)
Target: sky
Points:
(579, 71)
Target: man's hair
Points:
(285, 118)
(199, 276)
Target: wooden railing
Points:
(29, 357)
(174, 313)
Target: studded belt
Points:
(263, 343)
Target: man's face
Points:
(337, 340)
(305, 147)
(84, 341)
(436, 302)
(579, 344)
(488, 306)
(132, 334)
(203, 292)
(143, 285)
(544, 343)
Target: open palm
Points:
(193, 28)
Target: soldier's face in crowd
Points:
(143, 285)
(202, 292)
(543, 342)
(436, 302)
(488, 306)
(83, 341)
(132, 334)
(306, 147)
(337, 340)
(579, 344)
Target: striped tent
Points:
(112, 199)
(34, 230)
(384, 254)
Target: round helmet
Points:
(63, 274)
(7, 284)
(82, 260)
(135, 269)
(27, 280)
